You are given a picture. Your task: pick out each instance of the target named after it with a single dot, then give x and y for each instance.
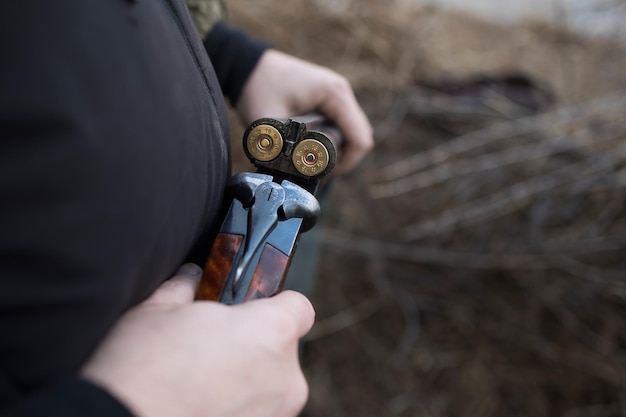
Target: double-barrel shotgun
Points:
(269, 208)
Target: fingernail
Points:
(189, 269)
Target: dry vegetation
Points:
(475, 264)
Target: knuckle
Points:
(367, 140)
(298, 394)
(284, 326)
(337, 83)
(363, 146)
(342, 84)
(368, 146)
(295, 314)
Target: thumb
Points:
(180, 289)
(293, 310)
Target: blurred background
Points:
(475, 263)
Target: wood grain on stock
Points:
(267, 280)
(218, 266)
(269, 275)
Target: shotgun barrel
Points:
(269, 208)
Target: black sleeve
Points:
(234, 55)
(67, 398)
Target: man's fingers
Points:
(341, 106)
(289, 311)
(299, 308)
(180, 289)
(359, 142)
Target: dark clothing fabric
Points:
(113, 156)
(67, 397)
(234, 55)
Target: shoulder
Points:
(206, 13)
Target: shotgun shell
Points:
(310, 157)
(264, 143)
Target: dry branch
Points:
(496, 160)
(509, 200)
(500, 131)
(371, 248)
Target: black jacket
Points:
(113, 156)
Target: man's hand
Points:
(171, 356)
(282, 86)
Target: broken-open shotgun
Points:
(269, 208)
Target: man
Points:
(113, 157)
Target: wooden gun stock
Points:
(267, 280)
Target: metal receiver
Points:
(269, 209)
